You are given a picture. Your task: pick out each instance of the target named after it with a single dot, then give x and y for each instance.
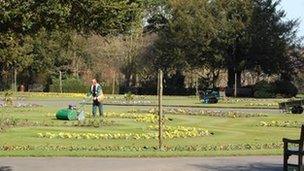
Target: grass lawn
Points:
(228, 136)
(191, 101)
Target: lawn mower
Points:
(294, 106)
(72, 112)
(209, 96)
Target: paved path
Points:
(266, 163)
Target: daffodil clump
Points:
(290, 124)
(263, 104)
(182, 132)
(219, 113)
(49, 94)
(127, 99)
(227, 147)
(96, 136)
(147, 118)
(250, 100)
(132, 102)
(170, 132)
(123, 97)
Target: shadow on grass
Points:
(6, 168)
(248, 167)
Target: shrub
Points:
(129, 96)
(108, 89)
(70, 85)
(286, 88)
(263, 89)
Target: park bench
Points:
(296, 151)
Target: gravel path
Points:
(252, 163)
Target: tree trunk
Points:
(113, 82)
(134, 80)
(160, 109)
(127, 79)
(196, 85)
(232, 81)
(231, 78)
(215, 76)
(15, 81)
(1, 80)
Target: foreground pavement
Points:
(254, 163)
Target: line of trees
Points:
(232, 35)
(124, 42)
(39, 38)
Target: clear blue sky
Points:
(295, 10)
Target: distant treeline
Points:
(199, 45)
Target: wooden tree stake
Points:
(160, 109)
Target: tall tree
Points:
(101, 17)
(20, 20)
(273, 39)
(192, 37)
(15, 55)
(235, 35)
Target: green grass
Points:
(226, 131)
(167, 100)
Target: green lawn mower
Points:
(72, 113)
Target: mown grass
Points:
(191, 101)
(226, 131)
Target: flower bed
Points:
(139, 117)
(92, 122)
(289, 124)
(263, 104)
(250, 100)
(219, 113)
(24, 105)
(131, 102)
(169, 133)
(21, 105)
(182, 132)
(50, 94)
(6, 123)
(96, 136)
(125, 97)
(195, 148)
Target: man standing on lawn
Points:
(97, 94)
